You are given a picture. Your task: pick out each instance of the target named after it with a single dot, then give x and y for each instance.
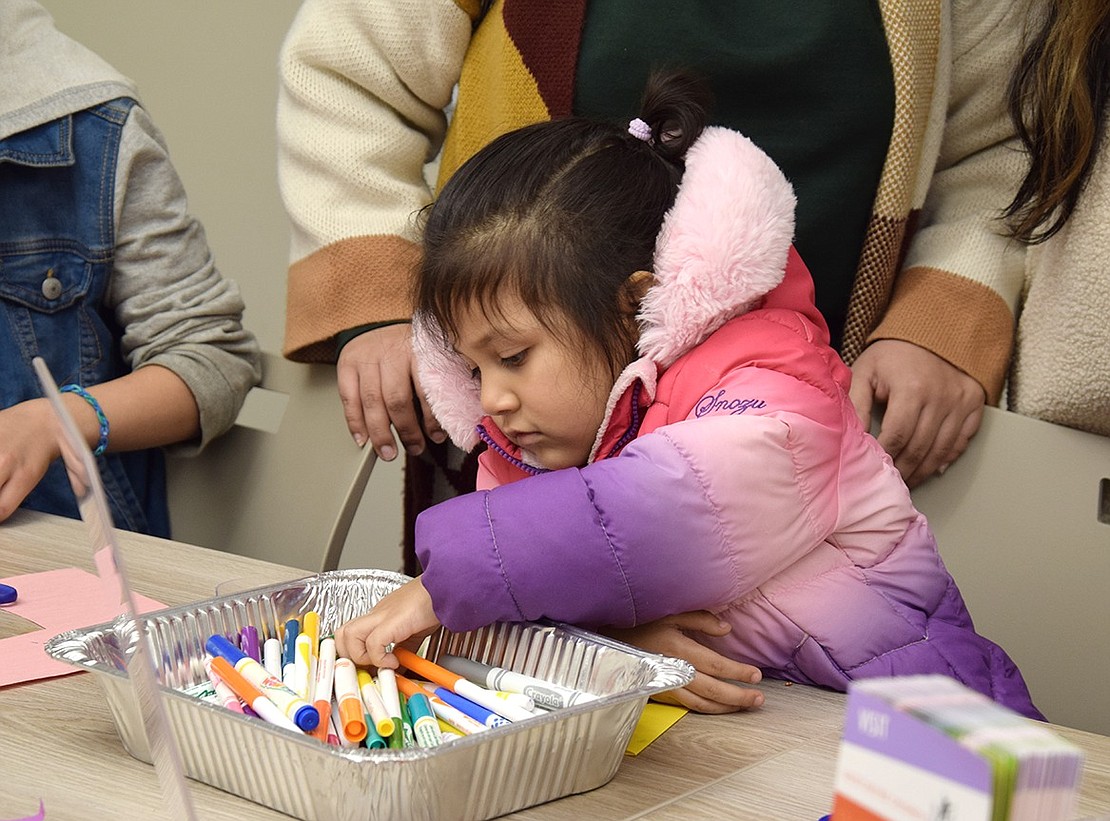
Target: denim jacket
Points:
(57, 242)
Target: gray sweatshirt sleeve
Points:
(172, 304)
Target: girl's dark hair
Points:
(1057, 100)
(561, 213)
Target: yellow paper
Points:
(655, 720)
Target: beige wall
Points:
(207, 72)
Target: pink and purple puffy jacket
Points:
(732, 474)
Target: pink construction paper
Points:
(56, 600)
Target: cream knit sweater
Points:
(360, 112)
(1061, 366)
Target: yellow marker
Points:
(372, 698)
(303, 680)
(310, 624)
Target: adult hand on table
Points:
(714, 688)
(932, 407)
(376, 374)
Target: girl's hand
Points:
(403, 614)
(28, 444)
(714, 688)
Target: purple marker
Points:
(249, 642)
(303, 714)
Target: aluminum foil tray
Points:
(481, 776)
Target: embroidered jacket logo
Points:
(719, 403)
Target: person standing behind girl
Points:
(104, 275)
(886, 116)
(723, 470)
(1058, 99)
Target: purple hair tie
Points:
(640, 130)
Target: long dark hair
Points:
(1057, 99)
(561, 213)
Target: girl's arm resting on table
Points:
(406, 616)
(629, 540)
(716, 685)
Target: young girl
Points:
(619, 315)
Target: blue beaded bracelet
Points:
(102, 443)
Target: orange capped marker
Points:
(352, 715)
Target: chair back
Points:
(284, 483)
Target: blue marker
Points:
(303, 714)
(8, 594)
(289, 652)
(475, 711)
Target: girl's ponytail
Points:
(673, 112)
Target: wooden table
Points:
(60, 744)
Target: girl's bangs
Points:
(485, 271)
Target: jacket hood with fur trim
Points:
(722, 248)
